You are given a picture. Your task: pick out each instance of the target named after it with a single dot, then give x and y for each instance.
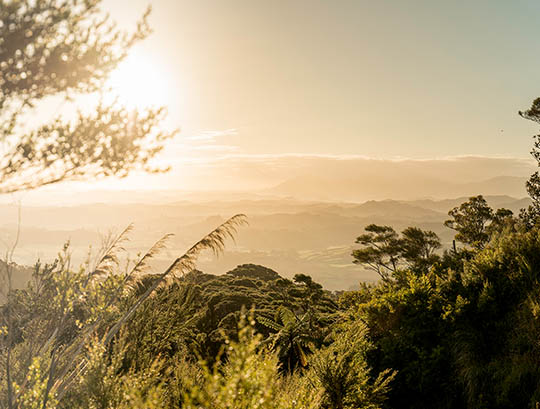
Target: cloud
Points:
(377, 178)
(199, 147)
(210, 136)
(468, 168)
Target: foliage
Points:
(530, 215)
(61, 49)
(470, 221)
(386, 252)
(250, 379)
(201, 311)
(381, 250)
(48, 325)
(418, 248)
(464, 334)
(405, 323)
(475, 222)
(341, 371)
(292, 339)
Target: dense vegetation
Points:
(453, 329)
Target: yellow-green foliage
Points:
(341, 372)
(35, 395)
(249, 379)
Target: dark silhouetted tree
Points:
(530, 215)
(419, 246)
(386, 252)
(470, 221)
(381, 251)
(502, 219)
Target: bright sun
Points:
(138, 82)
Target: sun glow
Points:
(139, 82)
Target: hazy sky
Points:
(376, 78)
(261, 87)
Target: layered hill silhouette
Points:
(396, 186)
(289, 236)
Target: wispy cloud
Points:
(210, 136)
(200, 147)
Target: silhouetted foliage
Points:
(381, 250)
(470, 221)
(386, 252)
(202, 310)
(418, 248)
(530, 215)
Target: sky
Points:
(382, 79)
(249, 81)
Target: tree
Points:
(249, 378)
(502, 219)
(385, 251)
(419, 246)
(381, 250)
(312, 291)
(292, 337)
(530, 215)
(470, 220)
(57, 50)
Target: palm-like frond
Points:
(267, 322)
(301, 354)
(292, 335)
(286, 316)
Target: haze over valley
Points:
(289, 235)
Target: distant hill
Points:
(494, 201)
(288, 236)
(363, 187)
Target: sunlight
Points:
(139, 82)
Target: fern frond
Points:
(286, 316)
(269, 323)
(301, 355)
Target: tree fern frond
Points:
(301, 355)
(286, 316)
(269, 323)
